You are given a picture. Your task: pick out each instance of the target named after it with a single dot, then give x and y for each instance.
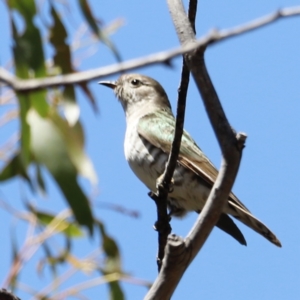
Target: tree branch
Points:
(164, 228)
(211, 37)
(181, 252)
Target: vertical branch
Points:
(179, 253)
(162, 224)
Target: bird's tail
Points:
(248, 219)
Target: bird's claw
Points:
(160, 183)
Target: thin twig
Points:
(119, 208)
(32, 243)
(61, 279)
(164, 186)
(96, 282)
(212, 37)
(8, 116)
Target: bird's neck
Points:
(135, 113)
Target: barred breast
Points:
(148, 162)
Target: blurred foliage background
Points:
(51, 139)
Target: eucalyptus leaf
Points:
(50, 149)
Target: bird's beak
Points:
(110, 84)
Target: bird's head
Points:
(139, 94)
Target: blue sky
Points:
(257, 77)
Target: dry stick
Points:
(180, 253)
(162, 225)
(157, 58)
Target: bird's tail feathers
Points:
(248, 219)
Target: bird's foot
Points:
(161, 184)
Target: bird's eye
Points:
(135, 82)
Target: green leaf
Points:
(74, 140)
(71, 108)
(14, 246)
(24, 102)
(26, 8)
(86, 10)
(29, 62)
(58, 35)
(112, 262)
(110, 247)
(42, 262)
(70, 229)
(87, 13)
(28, 54)
(49, 147)
(62, 60)
(53, 261)
(89, 94)
(40, 180)
(24, 105)
(13, 168)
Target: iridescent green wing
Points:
(158, 129)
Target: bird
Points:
(150, 126)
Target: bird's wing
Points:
(161, 134)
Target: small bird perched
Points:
(149, 135)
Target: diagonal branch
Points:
(181, 252)
(211, 37)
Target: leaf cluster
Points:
(52, 140)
